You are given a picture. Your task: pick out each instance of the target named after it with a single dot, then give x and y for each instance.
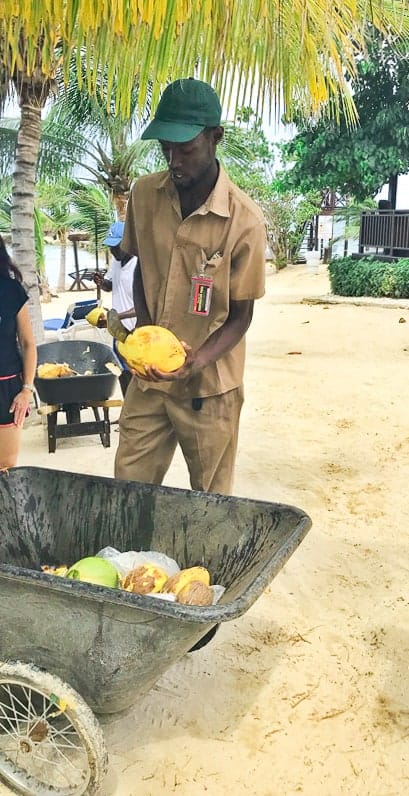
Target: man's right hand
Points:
(98, 278)
(115, 327)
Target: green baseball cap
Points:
(185, 108)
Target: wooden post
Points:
(74, 237)
(96, 253)
(77, 268)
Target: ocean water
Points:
(52, 262)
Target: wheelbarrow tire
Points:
(205, 639)
(39, 711)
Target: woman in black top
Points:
(18, 359)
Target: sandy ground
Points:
(308, 691)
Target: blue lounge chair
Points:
(74, 319)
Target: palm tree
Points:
(54, 201)
(68, 205)
(285, 51)
(5, 231)
(105, 145)
(32, 87)
(103, 155)
(92, 212)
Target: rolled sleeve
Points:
(248, 264)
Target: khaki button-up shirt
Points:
(227, 235)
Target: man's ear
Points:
(218, 133)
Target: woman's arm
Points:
(29, 355)
(27, 344)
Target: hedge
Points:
(369, 277)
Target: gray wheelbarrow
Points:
(70, 649)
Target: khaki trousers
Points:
(152, 423)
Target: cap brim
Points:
(176, 132)
(111, 241)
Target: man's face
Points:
(189, 162)
(116, 251)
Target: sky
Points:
(277, 132)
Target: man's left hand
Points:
(188, 369)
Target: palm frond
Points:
(8, 142)
(5, 204)
(39, 243)
(92, 210)
(288, 53)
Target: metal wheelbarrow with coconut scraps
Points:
(70, 649)
(90, 382)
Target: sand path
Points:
(308, 691)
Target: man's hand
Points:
(98, 278)
(190, 366)
(115, 327)
(102, 322)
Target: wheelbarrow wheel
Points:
(50, 740)
(205, 639)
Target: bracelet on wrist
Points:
(28, 387)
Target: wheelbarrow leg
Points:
(105, 433)
(72, 413)
(51, 424)
(107, 425)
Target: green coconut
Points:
(95, 570)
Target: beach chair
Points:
(74, 320)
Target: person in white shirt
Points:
(119, 280)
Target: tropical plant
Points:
(286, 213)
(358, 161)
(70, 206)
(40, 256)
(5, 205)
(54, 201)
(349, 220)
(5, 230)
(289, 50)
(92, 212)
(101, 144)
(368, 276)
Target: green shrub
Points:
(369, 277)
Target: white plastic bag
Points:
(129, 560)
(218, 592)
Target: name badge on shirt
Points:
(200, 294)
(201, 288)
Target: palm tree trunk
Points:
(62, 238)
(22, 213)
(120, 202)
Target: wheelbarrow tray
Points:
(81, 356)
(112, 646)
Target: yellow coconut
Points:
(95, 315)
(152, 346)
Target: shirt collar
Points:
(218, 200)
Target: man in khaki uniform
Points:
(200, 243)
